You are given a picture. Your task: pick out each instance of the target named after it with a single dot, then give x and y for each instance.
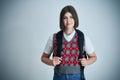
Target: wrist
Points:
(51, 63)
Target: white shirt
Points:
(88, 47)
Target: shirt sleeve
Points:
(88, 47)
(49, 46)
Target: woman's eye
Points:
(71, 17)
(65, 18)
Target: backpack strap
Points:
(59, 37)
(81, 44)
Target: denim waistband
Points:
(59, 76)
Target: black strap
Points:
(80, 42)
(59, 37)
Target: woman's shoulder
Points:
(51, 36)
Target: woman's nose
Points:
(68, 19)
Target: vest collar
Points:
(69, 37)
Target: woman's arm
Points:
(91, 59)
(45, 58)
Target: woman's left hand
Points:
(83, 61)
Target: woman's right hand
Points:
(56, 61)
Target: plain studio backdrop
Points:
(25, 26)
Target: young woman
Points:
(66, 50)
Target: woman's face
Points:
(68, 21)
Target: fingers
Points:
(83, 62)
(56, 61)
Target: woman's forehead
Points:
(67, 14)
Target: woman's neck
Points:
(69, 31)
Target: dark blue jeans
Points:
(58, 76)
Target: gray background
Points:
(25, 26)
